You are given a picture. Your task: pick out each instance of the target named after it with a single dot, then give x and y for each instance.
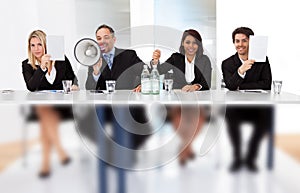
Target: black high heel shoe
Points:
(182, 162)
(66, 161)
(44, 175)
(192, 156)
(183, 158)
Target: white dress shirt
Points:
(189, 70)
(242, 75)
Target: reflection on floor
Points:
(10, 152)
(207, 174)
(290, 143)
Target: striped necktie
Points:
(108, 60)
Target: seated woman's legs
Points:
(46, 149)
(49, 121)
(187, 122)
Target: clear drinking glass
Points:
(168, 83)
(110, 86)
(67, 84)
(277, 84)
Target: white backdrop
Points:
(18, 19)
(74, 19)
(276, 19)
(79, 18)
(279, 20)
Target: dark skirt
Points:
(65, 112)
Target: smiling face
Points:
(190, 45)
(105, 39)
(241, 43)
(36, 47)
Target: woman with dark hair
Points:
(191, 72)
(203, 61)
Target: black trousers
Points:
(261, 117)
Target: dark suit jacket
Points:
(126, 70)
(35, 79)
(258, 77)
(177, 63)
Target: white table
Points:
(128, 97)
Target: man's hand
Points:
(97, 67)
(245, 66)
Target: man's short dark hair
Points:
(242, 30)
(111, 30)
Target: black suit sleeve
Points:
(231, 77)
(199, 79)
(33, 78)
(138, 68)
(264, 81)
(70, 75)
(90, 83)
(206, 72)
(167, 65)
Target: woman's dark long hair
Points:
(198, 38)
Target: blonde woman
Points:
(41, 73)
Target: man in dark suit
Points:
(239, 73)
(123, 66)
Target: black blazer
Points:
(176, 62)
(258, 77)
(35, 78)
(126, 70)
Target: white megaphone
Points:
(87, 52)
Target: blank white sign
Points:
(258, 46)
(56, 47)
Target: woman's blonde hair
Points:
(40, 35)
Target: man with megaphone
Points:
(123, 66)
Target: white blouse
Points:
(189, 70)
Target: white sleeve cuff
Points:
(51, 77)
(44, 70)
(200, 86)
(242, 75)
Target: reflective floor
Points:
(208, 174)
